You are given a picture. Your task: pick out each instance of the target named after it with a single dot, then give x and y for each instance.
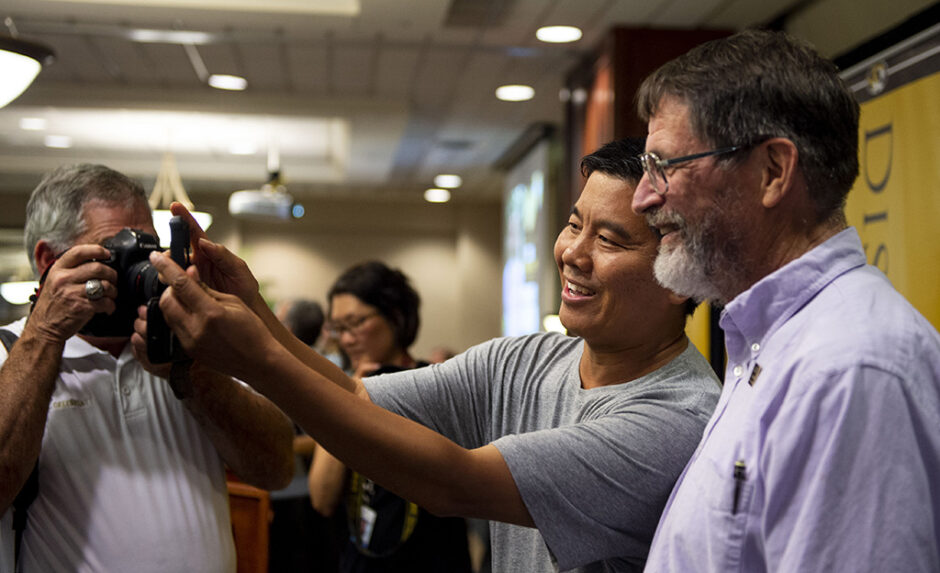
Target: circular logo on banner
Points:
(877, 78)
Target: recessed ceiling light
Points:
(58, 141)
(515, 93)
(228, 82)
(437, 195)
(558, 34)
(448, 181)
(33, 123)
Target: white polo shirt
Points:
(128, 480)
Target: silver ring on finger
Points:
(94, 289)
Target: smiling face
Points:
(702, 217)
(605, 261)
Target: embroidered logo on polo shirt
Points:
(70, 403)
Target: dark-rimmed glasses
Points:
(352, 324)
(655, 167)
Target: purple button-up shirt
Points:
(824, 451)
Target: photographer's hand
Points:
(64, 306)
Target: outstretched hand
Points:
(215, 328)
(221, 269)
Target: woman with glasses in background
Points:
(373, 314)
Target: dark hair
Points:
(619, 158)
(55, 211)
(759, 84)
(389, 291)
(305, 320)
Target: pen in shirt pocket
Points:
(740, 474)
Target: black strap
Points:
(30, 489)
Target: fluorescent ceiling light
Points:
(33, 123)
(515, 93)
(558, 34)
(448, 181)
(58, 141)
(437, 195)
(331, 7)
(228, 82)
(20, 62)
(316, 139)
(147, 36)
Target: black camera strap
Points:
(30, 489)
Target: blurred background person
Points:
(304, 318)
(373, 313)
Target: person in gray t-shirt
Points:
(575, 442)
(594, 466)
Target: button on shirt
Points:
(824, 451)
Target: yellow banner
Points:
(895, 203)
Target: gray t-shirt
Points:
(594, 467)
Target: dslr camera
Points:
(138, 284)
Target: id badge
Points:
(367, 517)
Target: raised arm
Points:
(223, 271)
(405, 457)
(251, 434)
(325, 480)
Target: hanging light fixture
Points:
(169, 188)
(20, 62)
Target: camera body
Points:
(138, 284)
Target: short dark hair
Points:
(305, 319)
(389, 291)
(620, 158)
(759, 84)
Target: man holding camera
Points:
(131, 472)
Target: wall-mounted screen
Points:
(527, 243)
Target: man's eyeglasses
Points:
(655, 167)
(352, 324)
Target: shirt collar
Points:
(771, 301)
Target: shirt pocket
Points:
(725, 488)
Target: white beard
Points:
(677, 270)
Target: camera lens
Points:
(142, 278)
